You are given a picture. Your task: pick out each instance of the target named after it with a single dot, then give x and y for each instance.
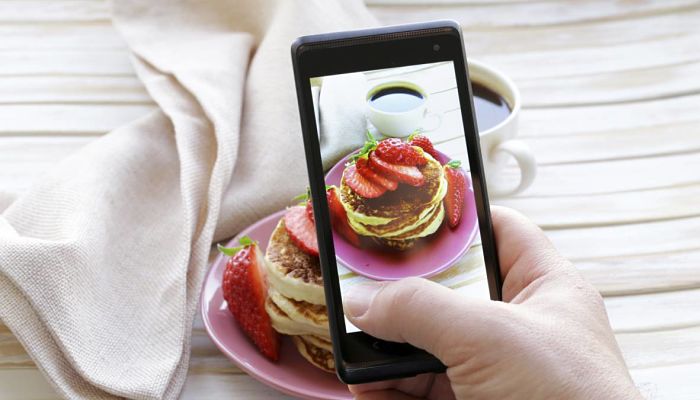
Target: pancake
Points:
(292, 272)
(295, 299)
(324, 343)
(317, 356)
(399, 207)
(396, 219)
(285, 325)
(314, 316)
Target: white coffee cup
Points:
(401, 123)
(497, 143)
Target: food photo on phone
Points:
(397, 183)
(406, 208)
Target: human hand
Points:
(550, 338)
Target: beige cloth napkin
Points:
(341, 116)
(101, 261)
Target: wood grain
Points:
(67, 119)
(611, 94)
(512, 14)
(74, 90)
(75, 63)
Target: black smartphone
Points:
(396, 176)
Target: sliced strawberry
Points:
(301, 230)
(424, 143)
(365, 170)
(456, 190)
(339, 217)
(361, 185)
(245, 290)
(310, 210)
(396, 151)
(402, 173)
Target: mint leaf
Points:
(454, 164)
(229, 251)
(246, 241)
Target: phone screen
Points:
(397, 176)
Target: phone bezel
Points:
(360, 357)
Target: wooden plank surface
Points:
(611, 94)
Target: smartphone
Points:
(396, 177)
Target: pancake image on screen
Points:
(393, 193)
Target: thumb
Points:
(424, 314)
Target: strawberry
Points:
(339, 217)
(396, 151)
(310, 210)
(301, 230)
(402, 173)
(304, 199)
(245, 289)
(365, 170)
(456, 190)
(361, 185)
(424, 143)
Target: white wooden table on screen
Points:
(611, 94)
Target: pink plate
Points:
(292, 374)
(428, 257)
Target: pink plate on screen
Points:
(429, 255)
(292, 374)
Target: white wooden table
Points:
(612, 110)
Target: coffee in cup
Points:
(399, 108)
(491, 108)
(497, 103)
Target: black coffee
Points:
(396, 99)
(491, 109)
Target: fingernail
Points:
(358, 298)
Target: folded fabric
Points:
(342, 108)
(102, 260)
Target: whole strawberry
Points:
(456, 190)
(424, 143)
(245, 290)
(339, 217)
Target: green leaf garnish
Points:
(369, 145)
(301, 197)
(371, 138)
(244, 242)
(414, 134)
(454, 164)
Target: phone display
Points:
(403, 199)
(396, 176)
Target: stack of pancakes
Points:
(295, 302)
(397, 218)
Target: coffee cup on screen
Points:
(399, 108)
(497, 103)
